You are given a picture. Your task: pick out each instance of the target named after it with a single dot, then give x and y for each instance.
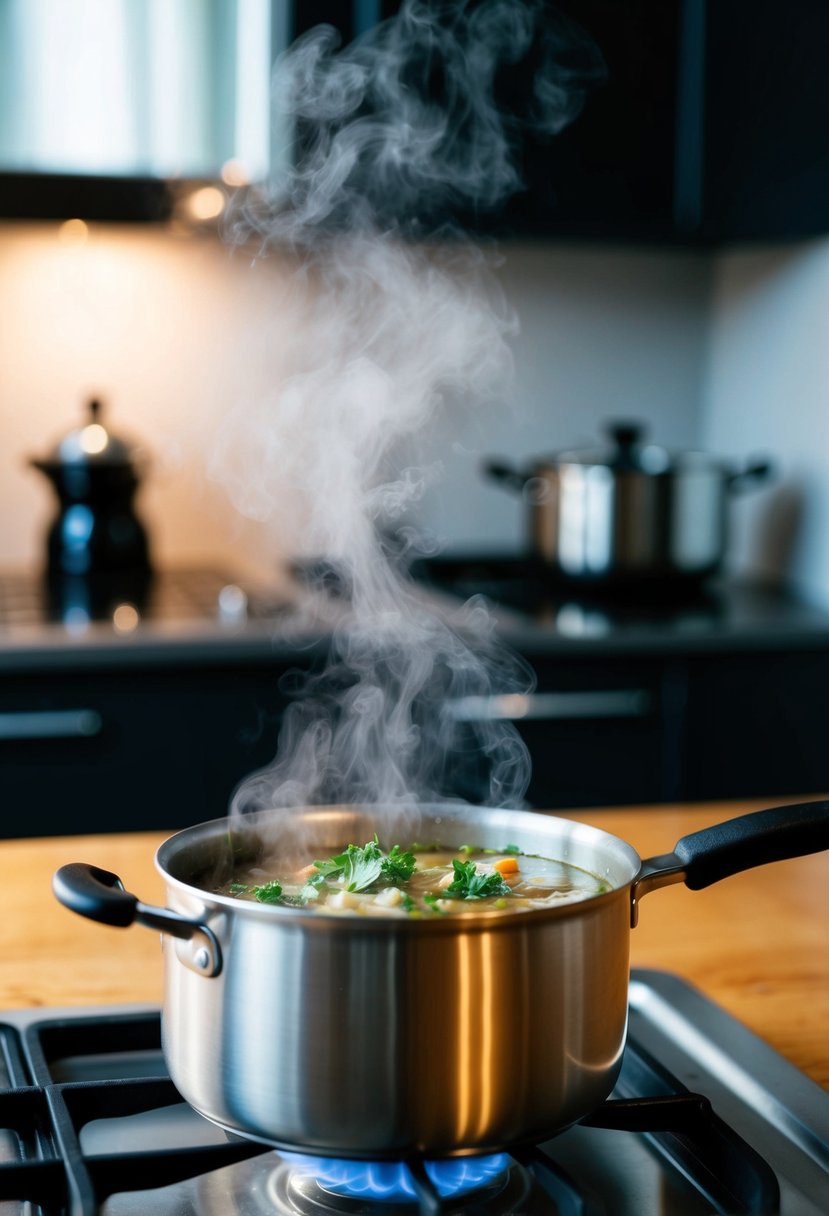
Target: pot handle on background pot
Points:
(745, 479)
(506, 475)
(738, 844)
(100, 895)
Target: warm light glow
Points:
(125, 618)
(235, 173)
(205, 203)
(73, 232)
(93, 439)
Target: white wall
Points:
(604, 333)
(767, 389)
(168, 329)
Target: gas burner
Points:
(390, 1183)
(292, 1185)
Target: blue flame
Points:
(391, 1180)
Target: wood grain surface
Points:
(757, 943)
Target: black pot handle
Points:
(100, 895)
(746, 479)
(95, 893)
(753, 840)
(738, 844)
(498, 471)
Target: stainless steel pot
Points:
(629, 512)
(379, 1037)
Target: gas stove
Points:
(705, 1119)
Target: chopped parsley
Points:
(268, 893)
(469, 883)
(361, 865)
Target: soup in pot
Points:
(417, 881)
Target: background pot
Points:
(380, 1036)
(629, 513)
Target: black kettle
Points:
(96, 542)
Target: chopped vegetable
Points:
(507, 865)
(470, 883)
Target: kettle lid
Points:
(93, 443)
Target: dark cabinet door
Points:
(757, 725)
(766, 119)
(618, 169)
(131, 750)
(612, 77)
(706, 125)
(599, 732)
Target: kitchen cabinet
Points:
(707, 127)
(687, 727)
(757, 723)
(715, 699)
(130, 747)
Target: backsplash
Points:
(170, 331)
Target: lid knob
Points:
(626, 435)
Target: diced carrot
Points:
(306, 871)
(506, 865)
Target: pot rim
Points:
(178, 846)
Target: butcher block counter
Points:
(757, 943)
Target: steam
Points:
(391, 134)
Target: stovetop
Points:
(532, 605)
(186, 594)
(93, 1124)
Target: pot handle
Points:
(738, 844)
(754, 471)
(505, 474)
(100, 895)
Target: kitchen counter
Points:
(183, 627)
(757, 943)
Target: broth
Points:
(420, 881)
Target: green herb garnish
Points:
(397, 866)
(360, 866)
(268, 893)
(468, 883)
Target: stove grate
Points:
(52, 1102)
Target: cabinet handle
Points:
(51, 724)
(552, 706)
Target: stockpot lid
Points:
(93, 443)
(627, 451)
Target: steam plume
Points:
(393, 133)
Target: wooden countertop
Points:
(757, 943)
